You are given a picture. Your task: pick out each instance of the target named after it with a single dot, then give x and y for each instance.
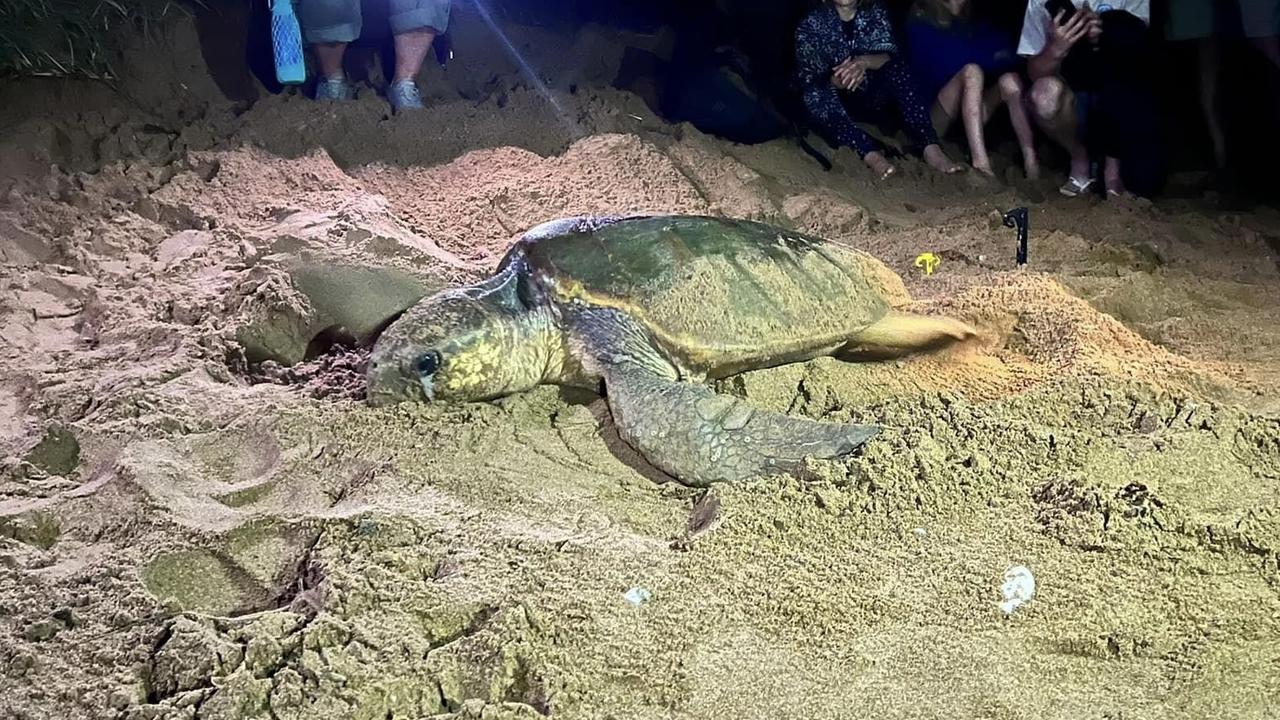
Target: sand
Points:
(199, 518)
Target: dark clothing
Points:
(716, 99)
(712, 85)
(884, 91)
(938, 53)
(822, 43)
(1114, 84)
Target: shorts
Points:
(340, 21)
(1260, 18)
(1191, 19)
(1197, 19)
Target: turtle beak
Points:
(388, 385)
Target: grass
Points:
(74, 38)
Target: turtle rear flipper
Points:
(908, 331)
(685, 429)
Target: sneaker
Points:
(334, 89)
(1075, 187)
(404, 95)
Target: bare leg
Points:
(1010, 88)
(329, 55)
(962, 96)
(411, 50)
(971, 113)
(915, 115)
(1053, 104)
(1208, 53)
(1111, 176)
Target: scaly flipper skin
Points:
(683, 428)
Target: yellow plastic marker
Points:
(928, 261)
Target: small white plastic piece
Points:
(637, 596)
(1018, 588)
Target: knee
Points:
(972, 75)
(1047, 95)
(1010, 86)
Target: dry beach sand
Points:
(200, 519)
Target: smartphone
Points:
(1060, 6)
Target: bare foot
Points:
(879, 165)
(985, 169)
(939, 161)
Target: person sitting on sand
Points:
(329, 25)
(968, 67)
(850, 70)
(1092, 70)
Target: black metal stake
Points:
(1018, 218)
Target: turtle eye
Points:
(429, 363)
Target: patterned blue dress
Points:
(823, 41)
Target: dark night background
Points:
(761, 31)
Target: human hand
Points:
(849, 74)
(1064, 35)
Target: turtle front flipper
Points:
(684, 428)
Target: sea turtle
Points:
(650, 307)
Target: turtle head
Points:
(456, 346)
